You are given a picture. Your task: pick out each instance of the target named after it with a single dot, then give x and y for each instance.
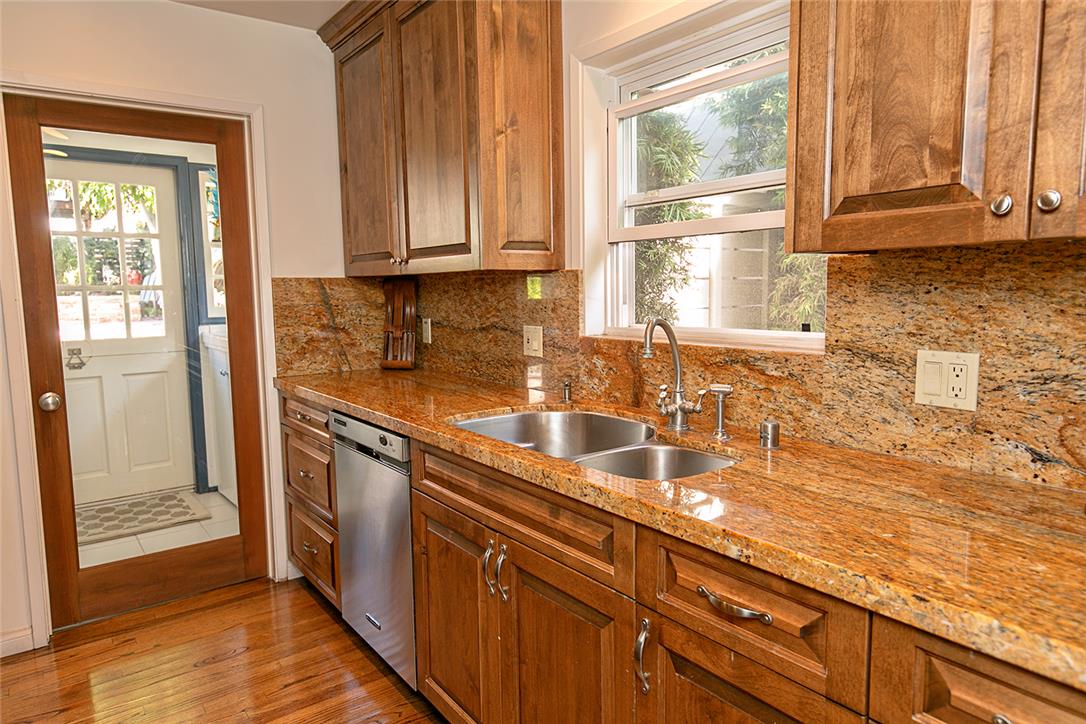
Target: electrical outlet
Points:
(533, 341)
(426, 331)
(947, 379)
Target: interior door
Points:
(109, 242)
(124, 374)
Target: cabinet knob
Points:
(1001, 205)
(393, 261)
(1049, 200)
(50, 402)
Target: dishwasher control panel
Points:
(370, 436)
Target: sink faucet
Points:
(679, 407)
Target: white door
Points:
(117, 258)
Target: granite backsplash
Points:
(1021, 306)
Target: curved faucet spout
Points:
(647, 352)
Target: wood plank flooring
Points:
(255, 651)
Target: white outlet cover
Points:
(427, 331)
(533, 341)
(933, 379)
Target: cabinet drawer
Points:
(587, 539)
(813, 639)
(314, 548)
(692, 678)
(919, 677)
(306, 418)
(310, 473)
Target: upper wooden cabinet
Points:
(450, 117)
(917, 124)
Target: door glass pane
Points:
(145, 351)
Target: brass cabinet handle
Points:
(310, 549)
(502, 555)
(639, 655)
(733, 610)
(486, 564)
(303, 473)
(1048, 201)
(302, 416)
(1001, 205)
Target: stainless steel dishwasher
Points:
(373, 495)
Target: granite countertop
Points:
(993, 563)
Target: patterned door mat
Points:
(110, 519)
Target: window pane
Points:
(65, 260)
(141, 258)
(98, 206)
(740, 202)
(138, 204)
(721, 134)
(102, 261)
(145, 311)
(106, 315)
(70, 315)
(742, 280)
(61, 206)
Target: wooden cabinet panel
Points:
(587, 539)
(1060, 156)
(814, 639)
(919, 677)
(433, 46)
(367, 150)
(909, 120)
(311, 420)
(314, 548)
(310, 473)
(455, 622)
(565, 642)
(521, 131)
(691, 678)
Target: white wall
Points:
(165, 46)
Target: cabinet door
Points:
(456, 621)
(1060, 161)
(433, 45)
(690, 678)
(521, 130)
(908, 120)
(367, 150)
(566, 642)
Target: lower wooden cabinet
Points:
(919, 677)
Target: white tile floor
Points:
(222, 523)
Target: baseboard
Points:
(15, 642)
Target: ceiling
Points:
(309, 14)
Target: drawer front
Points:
(587, 539)
(813, 639)
(310, 473)
(306, 418)
(692, 678)
(314, 548)
(919, 677)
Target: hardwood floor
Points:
(255, 651)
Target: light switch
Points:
(427, 332)
(933, 377)
(533, 341)
(947, 379)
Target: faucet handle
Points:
(661, 400)
(701, 396)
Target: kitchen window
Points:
(696, 148)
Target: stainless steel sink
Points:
(655, 461)
(566, 435)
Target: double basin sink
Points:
(600, 442)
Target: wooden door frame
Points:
(77, 595)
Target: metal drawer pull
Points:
(731, 609)
(639, 655)
(486, 565)
(498, 572)
(312, 550)
(1000, 719)
(303, 473)
(302, 416)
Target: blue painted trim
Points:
(192, 290)
(201, 271)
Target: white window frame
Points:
(603, 75)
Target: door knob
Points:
(1049, 200)
(1001, 205)
(50, 402)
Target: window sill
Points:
(747, 339)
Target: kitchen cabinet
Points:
(919, 677)
(918, 124)
(450, 131)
